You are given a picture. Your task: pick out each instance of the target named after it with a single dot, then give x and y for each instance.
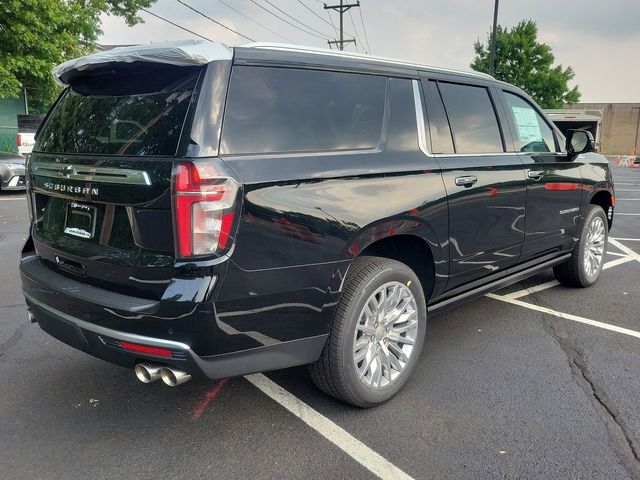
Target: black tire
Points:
(573, 272)
(335, 372)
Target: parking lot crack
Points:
(13, 339)
(621, 440)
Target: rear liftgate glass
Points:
(101, 175)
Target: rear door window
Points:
(472, 118)
(533, 134)
(441, 140)
(276, 110)
(138, 112)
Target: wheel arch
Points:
(409, 241)
(605, 200)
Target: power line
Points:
(332, 24)
(355, 30)
(253, 21)
(308, 29)
(215, 21)
(175, 24)
(364, 30)
(312, 11)
(285, 21)
(330, 19)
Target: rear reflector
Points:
(204, 208)
(19, 140)
(134, 347)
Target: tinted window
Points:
(120, 114)
(403, 134)
(441, 141)
(286, 110)
(472, 118)
(533, 134)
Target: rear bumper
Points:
(62, 309)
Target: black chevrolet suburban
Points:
(201, 211)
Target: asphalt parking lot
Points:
(535, 381)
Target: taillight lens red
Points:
(204, 209)
(135, 347)
(19, 140)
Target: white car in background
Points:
(27, 127)
(25, 142)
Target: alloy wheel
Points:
(385, 334)
(594, 248)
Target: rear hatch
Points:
(101, 175)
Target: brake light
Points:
(19, 140)
(204, 208)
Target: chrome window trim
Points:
(91, 174)
(316, 153)
(422, 129)
(496, 154)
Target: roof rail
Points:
(359, 56)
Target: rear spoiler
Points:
(184, 53)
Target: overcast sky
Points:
(599, 39)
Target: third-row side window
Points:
(274, 110)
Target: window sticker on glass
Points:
(527, 123)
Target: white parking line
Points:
(12, 199)
(630, 214)
(626, 190)
(566, 316)
(374, 462)
(618, 199)
(544, 286)
(625, 239)
(618, 261)
(624, 248)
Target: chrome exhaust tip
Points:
(147, 372)
(32, 317)
(173, 377)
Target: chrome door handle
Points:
(535, 174)
(466, 181)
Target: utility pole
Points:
(341, 9)
(492, 54)
(26, 102)
(635, 144)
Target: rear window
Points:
(274, 110)
(124, 112)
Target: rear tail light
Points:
(19, 140)
(204, 208)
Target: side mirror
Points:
(579, 141)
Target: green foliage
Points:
(36, 35)
(522, 61)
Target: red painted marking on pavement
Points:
(202, 406)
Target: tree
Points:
(36, 35)
(522, 61)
